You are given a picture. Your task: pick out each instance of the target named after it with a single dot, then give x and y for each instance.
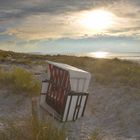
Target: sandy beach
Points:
(112, 110)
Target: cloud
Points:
(52, 19)
(2, 30)
(20, 8)
(90, 44)
(46, 26)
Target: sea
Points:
(131, 56)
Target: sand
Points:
(113, 112)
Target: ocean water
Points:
(132, 56)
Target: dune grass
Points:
(19, 81)
(116, 71)
(31, 130)
(106, 71)
(96, 135)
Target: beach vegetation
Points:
(31, 130)
(20, 81)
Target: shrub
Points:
(20, 81)
(24, 81)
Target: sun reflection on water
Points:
(98, 54)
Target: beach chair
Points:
(64, 91)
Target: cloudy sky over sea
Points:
(69, 26)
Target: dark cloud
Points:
(8, 14)
(18, 8)
(2, 29)
(9, 3)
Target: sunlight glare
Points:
(99, 54)
(97, 19)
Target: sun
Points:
(97, 20)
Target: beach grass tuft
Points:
(20, 81)
(32, 130)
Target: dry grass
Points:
(19, 81)
(32, 130)
(96, 135)
(106, 71)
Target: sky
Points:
(70, 26)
